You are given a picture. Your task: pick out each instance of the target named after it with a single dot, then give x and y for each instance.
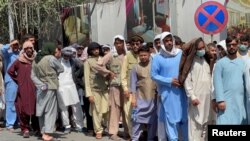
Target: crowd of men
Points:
(166, 88)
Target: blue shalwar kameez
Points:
(10, 85)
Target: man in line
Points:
(67, 92)
(144, 97)
(244, 53)
(20, 72)
(45, 71)
(113, 62)
(198, 89)
(130, 59)
(230, 86)
(173, 100)
(10, 53)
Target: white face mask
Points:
(200, 53)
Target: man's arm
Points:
(218, 85)
(86, 79)
(6, 47)
(124, 74)
(12, 71)
(56, 65)
(188, 85)
(133, 82)
(101, 64)
(38, 83)
(155, 74)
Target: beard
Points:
(29, 54)
(232, 52)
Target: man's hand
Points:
(91, 99)
(221, 105)
(176, 82)
(133, 101)
(195, 102)
(14, 42)
(214, 106)
(126, 94)
(111, 75)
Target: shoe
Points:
(78, 130)
(115, 138)
(26, 134)
(67, 131)
(84, 130)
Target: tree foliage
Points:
(38, 17)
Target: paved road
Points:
(73, 136)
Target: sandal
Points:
(98, 136)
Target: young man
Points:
(198, 89)
(212, 49)
(106, 48)
(113, 62)
(96, 88)
(10, 54)
(230, 86)
(130, 59)
(20, 72)
(157, 42)
(45, 71)
(143, 89)
(173, 100)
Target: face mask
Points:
(243, 47)
(200, 53)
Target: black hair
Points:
(245, 38)
(230, 39)
(150, 45)
(27, 37)
(178, 40)
(92, 46)
(137, 38)
(143, 49)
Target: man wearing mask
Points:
(244, 53)
(10, 53)
(198, 89)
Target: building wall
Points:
(185, 23)
(108, 20)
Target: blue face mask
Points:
(200, 53)
(243, 48)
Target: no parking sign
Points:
(211, 17)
